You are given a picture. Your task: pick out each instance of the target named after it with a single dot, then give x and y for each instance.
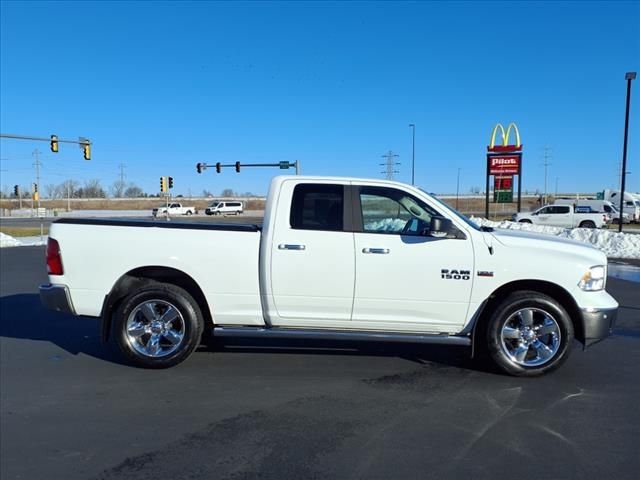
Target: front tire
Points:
(158, 326)
(529, 334)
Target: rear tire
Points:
(524, 221)
(587, 224)
(529, 334)
(158, 326)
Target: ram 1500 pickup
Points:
(336, 258)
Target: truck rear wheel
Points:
(529, 334)
(158, 326)
(524, 221)
(587, 224)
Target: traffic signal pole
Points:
(84, 143)
(200, 167)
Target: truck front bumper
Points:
(597, 323)
(56, 297)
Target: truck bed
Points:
(221, 258)
(149, 223)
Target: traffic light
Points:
(170, 182)
(218, 167)
(163, 184)
(87, 151)
(237, 167)
(200, 167)
(35, 188)
(16, 190)
(54, 143)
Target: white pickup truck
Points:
(336, 258)
(563, 216)
(173, 209)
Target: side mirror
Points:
(439, 227)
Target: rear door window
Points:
(317, 207)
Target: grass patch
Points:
(23, 231)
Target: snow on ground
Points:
(613, 244)
(8, 241)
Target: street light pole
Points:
(413, 156)
(458, 188)
(628, 76)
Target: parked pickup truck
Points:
(336, 258)
(563, 216)
(173, 209)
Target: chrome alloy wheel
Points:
(155, 328)
(530, 337)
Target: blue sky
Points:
(162, 86)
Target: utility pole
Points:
(546, 164)
(390, 164)
(121, 167)
(458, 187)
(413, 155)
(36, 153)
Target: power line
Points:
(390, 164)
(546, 164)
(37, 164)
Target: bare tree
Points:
(50, 190)
(227, 192)
(133, 191)
(207, 193)
(92, 189)
(118, 188)
(68, 188)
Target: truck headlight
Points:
(595, 279)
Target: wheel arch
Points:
(553, 290)
(136, 278)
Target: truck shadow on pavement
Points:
(23, 317)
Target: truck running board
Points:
(318, 334)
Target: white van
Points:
(224, 208)
(600, 206)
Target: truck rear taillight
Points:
(54, 260)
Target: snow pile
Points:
(386, 225)
(8, 241)
(613, 244)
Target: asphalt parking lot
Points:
(239, 410)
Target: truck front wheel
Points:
(158, 326)
(529, 334)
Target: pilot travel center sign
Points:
(503, 162)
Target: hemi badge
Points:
(485, 274)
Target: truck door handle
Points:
(382, 251)
(287, 246)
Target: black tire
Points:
(530, 352)
(174, 341)
(189, 213)
(587, 224)
(524, 221)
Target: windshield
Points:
(454, 211)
